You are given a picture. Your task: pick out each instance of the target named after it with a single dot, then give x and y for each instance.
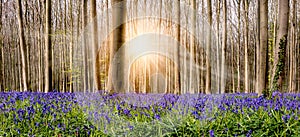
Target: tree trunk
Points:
(192, 48)
(71, 48)
(232, 59)
(2, 56)
(246, 30)
(202, 51)
(84, 49)
(224, 43)
(96, 71)
(238, 48)
(281, 45)
(22, 45)
(116, 70)
(257, 56)
(292, 79)
(48, 51)
(177, 59)
(218, 66)
(208, 47)
(263, 47)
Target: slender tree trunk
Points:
(292, 79)
(238, 48)
(177, 59)
(281, 45)
(257, 56)
(1, 47)
(275, 31)
(232, 59)
(192, 48)
(208, 47)
(94, 20)
(84, 49)
(48, 51)
(263, 47)
(71, 47)
(22, 45)
(224, 43)
(218, 66)
(246, 30)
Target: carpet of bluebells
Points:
(101, 114)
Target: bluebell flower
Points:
(118, 107)
(249, 133)
(130, 127)
(156, 116)
(211, 133)
(18, 130)
(108, 119)
(285, 118)
(126, 111)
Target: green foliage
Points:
(38, 116)
(248, 122)
(224, 115)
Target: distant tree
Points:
(94, 20)
(224, 43)
(208, 50)
(178, 78)
(238, 45)
(22, 45)
(192, 87)
(293, 44)
(48, 50)
(246, 30)
(84, 48)
(2, 56)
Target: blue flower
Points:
(285, 118)
(249, 133)
(126, 112)
(156, 116)
(211, 133)
(130, 127)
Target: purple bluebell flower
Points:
(211, 133)
(126, 111)
(156, 116)
(249, 133)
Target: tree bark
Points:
(177, 59)
(281, 45)
(48, 51)
(96, 65)
(208, 47)
(218, 66)
(84, 52)
(292, 79)
(246, 30)
(257, 38)
(71, 48)
(224, 43)
(238, 48)
(263, 47)
(1, 58)
(22, 45)
(192, 48)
